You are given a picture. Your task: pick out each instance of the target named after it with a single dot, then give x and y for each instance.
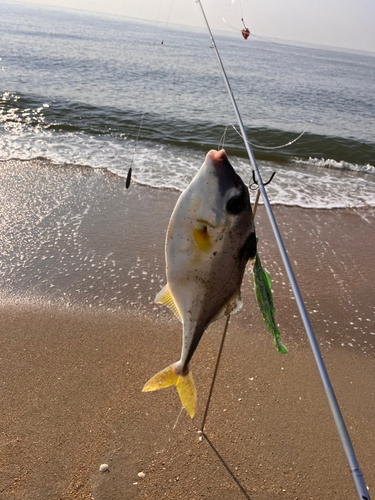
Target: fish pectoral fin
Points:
(202, 237)
(184, 384)
(165, 297)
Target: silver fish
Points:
(210, 238)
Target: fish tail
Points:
(184, 385)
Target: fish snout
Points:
(217, 163)
(217, 156)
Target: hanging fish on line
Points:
(210, 238)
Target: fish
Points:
(210, 239)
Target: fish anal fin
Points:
(233, 305)
(184, 384)
(165, 297)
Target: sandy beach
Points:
(82, 259)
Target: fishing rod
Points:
(356, 472)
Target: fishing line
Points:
(242, 16)
(283, 145)
(167, 24)
(266, 148)
(268, 40)
(178, 418)
(222, 138)
(245, 31)
(346, 443)
(128, 178)
(170, 432)
(169, 438)
(257, 146)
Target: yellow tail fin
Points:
(184, 384)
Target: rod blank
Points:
(357, 476)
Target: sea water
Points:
(105, 92)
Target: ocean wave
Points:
(169, 150)
(172, 167)
(339, 165)
(21, 113)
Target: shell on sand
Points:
(104, 468)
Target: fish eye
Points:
(236, 204)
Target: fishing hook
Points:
(264, 183)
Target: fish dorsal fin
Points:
(202, 237)
(233, 305)
(165, 297)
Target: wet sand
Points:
(81, 261)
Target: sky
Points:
(337, 23)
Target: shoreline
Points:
(72, 374)
(349, 190)
(73, 400)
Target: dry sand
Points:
(81, 260)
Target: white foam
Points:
(339, 165)
(308, 184)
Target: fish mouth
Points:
(202, 221)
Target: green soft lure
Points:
(262, 288)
